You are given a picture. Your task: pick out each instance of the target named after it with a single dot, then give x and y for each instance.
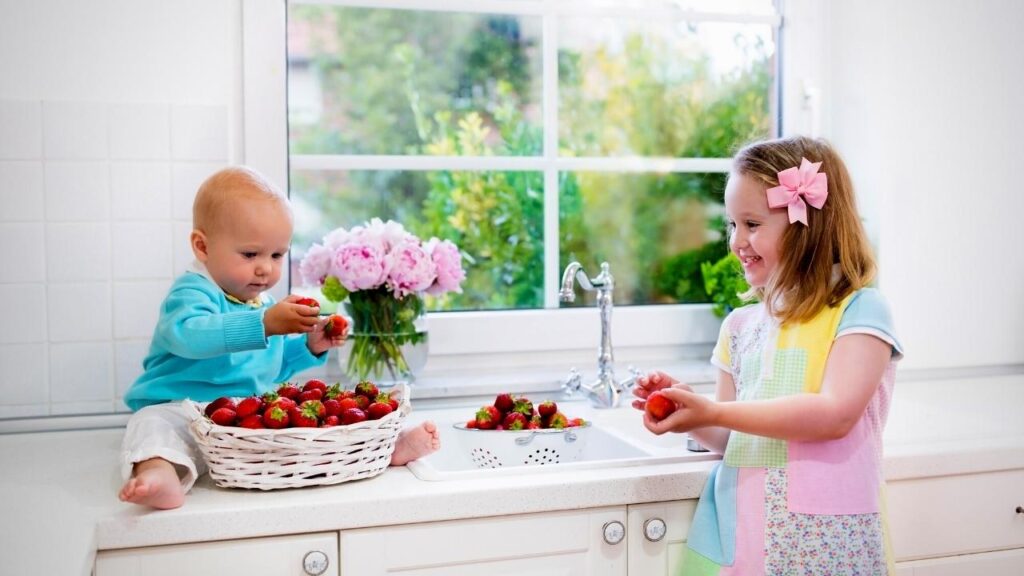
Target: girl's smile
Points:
(755, 230)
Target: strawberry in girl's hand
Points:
(659, 406)
(336, 326)
(311, 302)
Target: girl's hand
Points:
(652, 382)
(287, 317)
(318, 343)
(693, 411)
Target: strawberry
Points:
(336, 326)
(471, 424)
(352, 416)
(222, 402)
(347, 394)
(283, 403)
(659, 406)
(333, 391)
(514, 421)
(316, 406)
(289, 391)
(311, 394)
(317, 384)
(504, 402)
(311, 302)
(331, 420)
(378, 410)
(393, 401)
(558, 420)
(253, 421)
(487, 418)
(546, 409)
(332, 407)
(386, 398)
(269, 397)
(224, 416)
(275, 417)
(367, 388)
(577, 422)
(346, 403)
(523, 406)
(249, 406)
(307, 415)
(362, 402)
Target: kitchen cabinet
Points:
(958, 525)
(570, 543)
(657, 536)
(302, 555)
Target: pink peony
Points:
(359, 266)
(336, 239)
(410, 269)
(448, 261)
(315, 265)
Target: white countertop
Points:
(60, 503)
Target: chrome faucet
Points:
(605, 392)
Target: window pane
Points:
(369, 81)
(495, 218)
(663, 89)
(654, 230)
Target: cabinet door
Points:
(300, 555)
(565, 543)
(948, 515)
(1004, 563)
(649, 555)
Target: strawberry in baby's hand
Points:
(311, 302)
(336, 326)
(659, 406)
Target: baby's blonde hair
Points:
(219, 192)
(802, 285)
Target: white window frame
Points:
(487, 338)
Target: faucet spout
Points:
(573, 271)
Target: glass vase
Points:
(387, 341)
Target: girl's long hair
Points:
(802, 284)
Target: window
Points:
(532, 133)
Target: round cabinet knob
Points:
(654, 529)
(1020, 509)
(614, 532)
(315, 563)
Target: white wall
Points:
(111, 113)
(926, 103)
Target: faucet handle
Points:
(572, 384)
(630, 382)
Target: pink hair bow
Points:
(799, 187)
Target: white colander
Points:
(502, 448)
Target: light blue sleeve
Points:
(191, 325)
(868, 313)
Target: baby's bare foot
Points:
(415, 443)
(154, 483)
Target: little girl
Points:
(804, 382)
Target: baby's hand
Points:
(290, 317)
(652, 382)
(318, 342)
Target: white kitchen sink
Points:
(616, 439)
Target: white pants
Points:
(161, 431)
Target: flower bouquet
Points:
(383, 271)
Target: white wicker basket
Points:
(502, 448)
(295, 457)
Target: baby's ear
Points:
(198, 241)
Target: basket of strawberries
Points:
(514, 432)
(299, 436)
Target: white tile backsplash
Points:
(21, 130)
(22, 252)
(199, 133)
(79, 311)
(78, 251)
(137, 307)
(24, 374)
(141, 250)
(140, 190)
(23, 309)
(21, 191)
(95, 215)
(81, 372)
(185, 181)
(75, 131)
(77, 191)
(140, 131)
